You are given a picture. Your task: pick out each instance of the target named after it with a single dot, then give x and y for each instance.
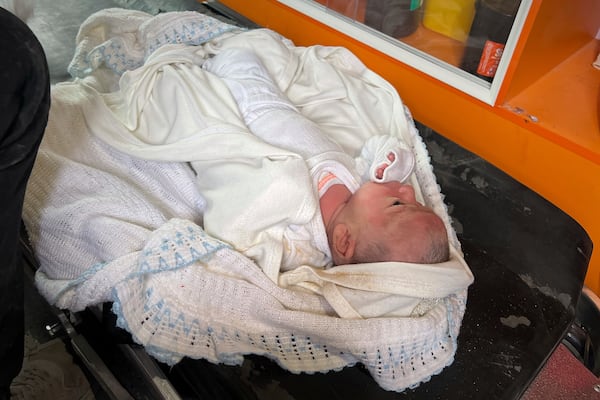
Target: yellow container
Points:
(452, 18)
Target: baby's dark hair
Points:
(371, 250)
(438, 250)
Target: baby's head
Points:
(384, 222)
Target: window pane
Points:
(466, 34)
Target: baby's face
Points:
(377, 203)
(391, 213)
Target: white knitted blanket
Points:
(109, 226)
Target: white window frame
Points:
(453, 76)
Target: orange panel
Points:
(561, 28)
(562, 102)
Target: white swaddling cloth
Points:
(179, 291)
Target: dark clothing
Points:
(24, 106)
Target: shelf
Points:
(564, 103)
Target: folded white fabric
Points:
(121, 40)
(249, 83)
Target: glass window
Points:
(461, 42)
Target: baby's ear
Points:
(343, 244)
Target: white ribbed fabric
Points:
(265, 109)
(108, 226)
(87, 203)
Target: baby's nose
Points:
(407, 193)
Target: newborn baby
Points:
(367, 213)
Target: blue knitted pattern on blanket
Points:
(122, 53)
(171, 253)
